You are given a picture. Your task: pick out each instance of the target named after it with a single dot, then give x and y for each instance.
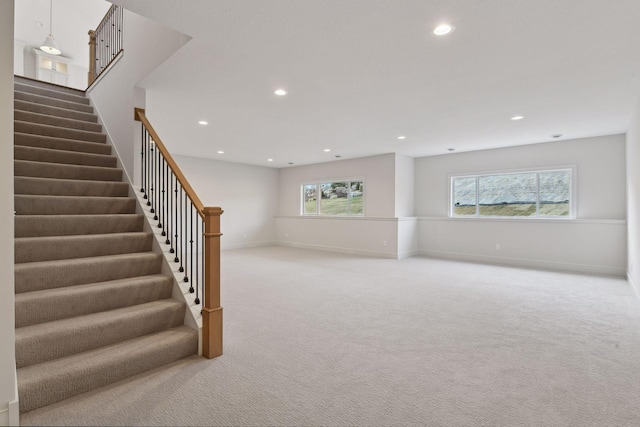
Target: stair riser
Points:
(61, 171)
(67, 187)
(123, 361)
(45, 205)
(73, 338)
(63, 157)
(35, 249)
(29, 117)
(40, 84)
(32, 140)
(80, 99)
(58, 132)
(47, 306)
(43, 100)
(67, 225)
(20, 105)
(57, 274)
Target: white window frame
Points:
(572, 193)
(317, 183)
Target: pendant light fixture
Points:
(50, 46)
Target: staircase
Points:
(92, 306)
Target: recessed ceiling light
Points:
(451, 149)
(557, 135)
(326, 150)
(443, 29)
(203, 122)
(269, 160)
(280, 92)
(290, 163)
(402, 137)
(220, 152)
(338, 156)
(514, 118)
(39, 24)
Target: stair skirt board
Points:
(92, 304)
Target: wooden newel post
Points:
(92, 56)
(211, 310)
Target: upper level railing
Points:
(105, 42)
(191, 230)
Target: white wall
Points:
(374, 234)
(595, 242)
(404, 192)
(8, 394)
(146, 45)
(18, 57)
(378, 173)
(247, 194)
(633, 200)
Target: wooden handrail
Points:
(211, 309)
(106, 16)
(141, 117)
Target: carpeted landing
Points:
(92, 306)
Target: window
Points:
(333, 198)
(535, 194)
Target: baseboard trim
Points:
(374, 254)
(634, 287)
(527, 263)
(247, 245)
(408, 254)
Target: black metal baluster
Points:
(190, 264)
(198, 279)
(161, 201)
(142, 160)
(184, 253)
(183, 230)
(156, 182)
(147, 165)
(175, 216)
(169, 218)
(152, 190)
(177, 231)
(179, 243)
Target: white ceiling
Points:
(362, 72)
(72, 20)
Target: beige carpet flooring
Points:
(315, 338)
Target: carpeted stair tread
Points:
(69, 187)
(34, 249)
(63, 171)
(51, 93)
(37, 154)
(50, 382)
(66, 225)
(72, 205)
(55, 304)
(65, 337)
(32, 140)
(54, 102)
(59, 132)
(45, 119)
(35, 276)
(51, 86)
(49, 110)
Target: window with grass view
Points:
(333, 198)
(538, 194)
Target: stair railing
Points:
(105, 42)
(191, 230)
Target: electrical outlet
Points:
(498, 247)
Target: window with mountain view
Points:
(333, 198)
(537, 194)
